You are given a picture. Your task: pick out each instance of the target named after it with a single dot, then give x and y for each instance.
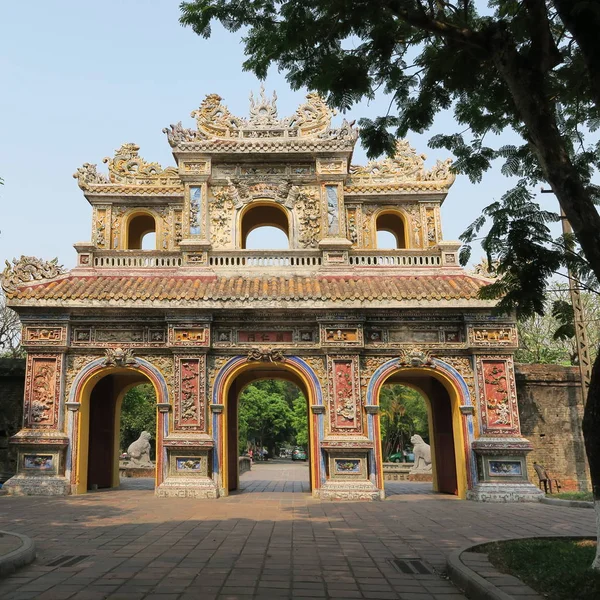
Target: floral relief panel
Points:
(344, 410)
(499, 410)
(42, 388)
(190, 403)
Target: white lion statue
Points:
(422, 452)
(139, 451)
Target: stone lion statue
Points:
(139, 451)
(422, 452)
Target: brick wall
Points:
(12, 383)
(551, 409)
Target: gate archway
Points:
(231, 379)
(99, 388)
(451, 425)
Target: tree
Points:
(530, 66)
(403, 413)
(550, 338)
(138, 413)
(265, 415)
(10, 331)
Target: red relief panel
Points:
(499, 412)
(42, 389)
(190, 404)
(344, 410)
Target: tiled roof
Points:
(161, 289)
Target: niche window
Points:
(391, 233)
(141, 233)
(265, 227)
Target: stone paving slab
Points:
(130, 544)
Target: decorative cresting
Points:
(315, 393)
(312, 120)
(418, 359)
(162, 399)
(27, 269)
(265, 355)
(127, 169)
(405, 170)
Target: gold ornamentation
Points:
(312, 120)
(221, 211)
(27, 269)
(405, 166)
(128, 167)
(265, 355)
(486, 269)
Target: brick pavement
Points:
(258, 545)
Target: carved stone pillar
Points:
(500, 450)
(42, 442)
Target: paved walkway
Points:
(130, 545)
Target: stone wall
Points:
(551, 410)
(12, 384)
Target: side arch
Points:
(316, 421)
(79, 393)
(462, 418)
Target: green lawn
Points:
(557, 568)
(573, 496)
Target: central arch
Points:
(235, 375)
(450, 413)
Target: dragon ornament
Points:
(27, 269)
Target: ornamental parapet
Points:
(268, 260)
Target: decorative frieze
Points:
(341, 335)
(189, 336)
(117, 335)
(492, 336)
(44, 335)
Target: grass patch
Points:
(587, 496)
(557, 568)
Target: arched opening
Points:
(267, 410)
(391, 232)
(264, 226)
(103, 436)
(138, 228)
(237, 376)
(444, 448)
(272, 425)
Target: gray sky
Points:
(78, 79)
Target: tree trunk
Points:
(591, 436)
(532, 103)
(528, 91)
(582, 19)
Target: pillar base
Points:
(505, 492)
(32, 485)
(187, 487)
(350, 490)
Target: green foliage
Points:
(403, 413)
(549, 338)
(559, 569)
(271, 413)
(138, 413)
